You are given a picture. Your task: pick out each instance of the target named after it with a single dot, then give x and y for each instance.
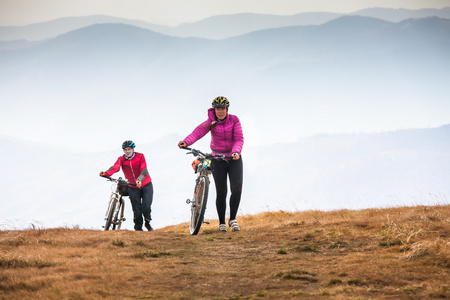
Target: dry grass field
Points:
(390, 253)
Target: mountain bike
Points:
(114, 214)
(202, 167)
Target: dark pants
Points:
(141, 201)
(234, 170)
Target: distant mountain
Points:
(216, 27)
(351, 37)
(96, 86)
(323, 172)
(351, 74)
(51, 29)
(17, 44)
(401, 14)
(225, 26)
(88, 53)
(355, 171)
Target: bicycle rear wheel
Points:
(110, 213)
(199, 204)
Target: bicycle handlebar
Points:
(120, 180)
(196, 152)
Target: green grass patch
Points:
(338, 244)
(387, 244)
(334, 281)
(357, 282)
(282, 251)
(14, 263)
(140, 243)
(308, 237)
(118, 243)
(154, 254)
(298, 275)
(307, 248)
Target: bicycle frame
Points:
(119, 207)
(114, 215)
(202, 167)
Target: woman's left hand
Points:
(236, 156)
(138, 184)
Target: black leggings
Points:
(141, 201)
(234, 169)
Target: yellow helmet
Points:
(220, 102)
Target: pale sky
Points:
(174, 12)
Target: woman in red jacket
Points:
(226, 138)
(135, 170)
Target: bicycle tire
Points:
(117, 219)
(198, 206)
(116, 213)
(120, 213)
(110, 214)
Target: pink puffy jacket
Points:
(226, 137)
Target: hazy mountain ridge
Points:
(353, 170)
(398, 15)
(105, 48)
(326, 172)
(17, 44)
(344, 36)
(216, 27)
(60, 26)
(376, 68)
(226, 26)
(93, 87)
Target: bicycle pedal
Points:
(123, 219)
(188, 201)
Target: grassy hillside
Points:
(396, 253)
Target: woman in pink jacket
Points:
(227, 139)
(134, 168)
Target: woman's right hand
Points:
(182, 144)
(102, 174)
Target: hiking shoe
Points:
(234, 225)
(148, 226)
(223, 227)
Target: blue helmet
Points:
(128, 143)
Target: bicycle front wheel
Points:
(199, 201)
(118, 215)
(110, 213)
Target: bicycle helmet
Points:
(220, 102)
(128, 143)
